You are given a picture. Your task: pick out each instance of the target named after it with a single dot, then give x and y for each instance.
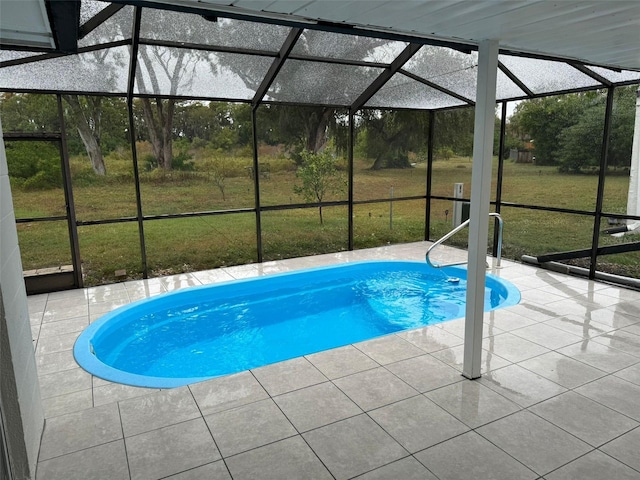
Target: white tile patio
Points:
(559, 397)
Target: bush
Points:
(182, 162)
(41, 181)
(444, 153)
(34, 165)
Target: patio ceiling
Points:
(597, 32)
(351, 54)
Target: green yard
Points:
(186, 244)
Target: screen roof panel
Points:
(99, 71)
(236, 54)
(194, 29)
(451, 69)
(320, 83)
(506, 88)
(546, 76)
(348, 47)
(90, 8)
(197, 73)
(117, 27)
(6, 55)
(404, 92)
(613, 76)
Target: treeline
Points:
(98, 126)
(567, 130)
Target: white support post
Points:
(458, 192)
(633, 197)
(479, 209)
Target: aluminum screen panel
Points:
(90, 8)
(545, 76)
(613, 76)
(191, 28)
(117, 27)
(404, 92)
(196, 73)
(6, 55)
(506, 88)
(320, 83)
(453, 70)
(100, 71)
(347, 47)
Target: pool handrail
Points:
(456, 230)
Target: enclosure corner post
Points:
(256, 181)
(602, 175)
(503, 128)
(72, 221)
(350, 194)
(133, 63)
(479, 211)
(427, 210)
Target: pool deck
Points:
(559, 397)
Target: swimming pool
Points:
(203, 332)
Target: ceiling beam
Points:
(515, 80)
(98, 19)
(591, 73)
(275, 67)
(440, 88)
(64, 16)
(51, 55)
(385, 76)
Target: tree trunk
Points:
(93, 150)
(149, 120)
(88, 124)
(160, 128)
(317, 130)
(378, 163)
(167, 134)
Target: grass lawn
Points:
(177, 245)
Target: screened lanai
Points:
(361, 61)
(187, 55)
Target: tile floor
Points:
(559, 397)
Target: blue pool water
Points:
(202, 332)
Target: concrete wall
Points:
(19, 389)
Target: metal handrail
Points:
(456, 230)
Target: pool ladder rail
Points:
(456, 230)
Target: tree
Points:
(454, 129)
(320, 176)
(544, 120)
(168, 71)
(300, 128)
(567, 130)
(26, 112)
(391, 134)
(99, 121)
(624, 115)
(581, 143)
(94, 116)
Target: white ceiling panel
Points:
(335, 67)
(287, 6)
(338, 11)
(592, 31)
(257, 5)
(25, 23)
(394, 13)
